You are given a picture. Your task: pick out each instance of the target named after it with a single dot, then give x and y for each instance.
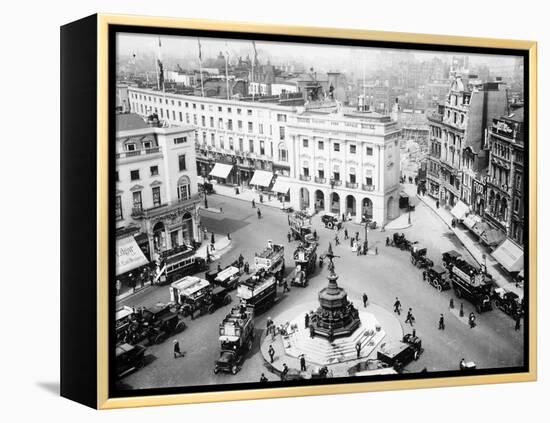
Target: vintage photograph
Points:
(289, 211)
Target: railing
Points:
(142, 152)
(320, 180)
(137, 211)
(366, 187)
(336, 182)
(305, 178)
(352, 184)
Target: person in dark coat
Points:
(410, 317)
(253, 204)
(259, 213)
(358, 349)
(284, 372)
(346, 236)
(271, 352)
(441, 322)
(306, 320)
(288, 236)
(365, 299)
(397, 306)
(263, 379)
(518, 323)
(177, 351)
(303, 367)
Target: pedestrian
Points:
(451, 303)
(365, 247)
(358, 349)
(365, 299)
(410, 317)
(306, 320)
(259, 214)
(518, 323)
(219, 267)
(351, 242)
(437, 204)
(441, 322)
(376, 250)
(461, 312)
(320, 262)
(177, 351)
(397, 306)
(343, 217)
(462, 364)
(268, 325)
(357, 236)
(228, 236)
(303, 367)
(263, 379)
(118, 287)
(336, 240)
(346, 236)
(261, 198)
(315, 234)
(358, 249)
(284, 372)
(271, 352)
(311, 331)
(253, 204)
(288, 236)
(472, 320)
(424, 274)
(388, 241)
(285, 286)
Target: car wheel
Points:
(330, 225)
(458, 293)
(227, 299)
(416, 355)
(211, 309)
(234, 369)
(216, 370)
(439, 287)
(181, 326)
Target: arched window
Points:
(283, 152)
(184, 188)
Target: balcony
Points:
(137, 211)
(305, 178)
(320, 180)
(170, 207)
(366, 187)
(136, 153)
(335, 182)
(352, 184)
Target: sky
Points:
(334, 58)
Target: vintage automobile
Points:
(437, 277)
(419, 257)
(196, 296)
(128, 358)
(399, 241)
(470, 283)
(236, 335)
(124, 322)
(450, 257)
(228, 277)
(330, 220)
(508, 301)
(400, 353)
(158, 323)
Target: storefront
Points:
(131, 265)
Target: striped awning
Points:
(261, 178)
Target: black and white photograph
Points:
(292, 213)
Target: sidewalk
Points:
(500, 278)
(247, 194)
(221, 246)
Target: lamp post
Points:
(204, 188)
(484, 263)
(409, 214)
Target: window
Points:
(156, 196)
(261, 128)
(368, 180)
(154, 170)
(281, 132)
(221, 142)
(211, 122)
(231, 146)
(173, 115)
(250, 127)
(136, 201)
(220, 123)
(118, 208)
(230, 124)
(249, 112)
(336, 146)
(181, 116)
(186, 104)
(203, 120)
(219, 108)
(251, 146)
(238, 111)
(184, 188)
(194, 105)
(336, 175)
(202, 106)
(281, 118)
(321, 145)
(180, 140)
(187, 118)
(229, 110)
(321, 173)
(181, 162)
(262, 148)
(241, 144)
(213, 139)
(352, 148)
(305, 170)
(194, 119)
(239, 123)
(204, 138)
(134, 175)
(131, 147)
(369, 151)
(305, 143)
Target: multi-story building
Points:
(458, 139)
(354, 167)
(156, 185)
(505, 179)
(345, 163)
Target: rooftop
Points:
(129, 121)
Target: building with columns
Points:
(345, 163)
(156, 199)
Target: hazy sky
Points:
(340, 58)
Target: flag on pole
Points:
(160, 69)
(200, 65)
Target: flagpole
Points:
(253, 62)
(226, 72)
(200, 66)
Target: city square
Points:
(280, 221)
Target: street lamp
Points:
(409, 214)
(484, 263)
(204, 188)
(367, 221)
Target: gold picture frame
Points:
(101, 266)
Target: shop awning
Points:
(492, 236)
(281, 185)
(509, 255)
(459, 210)
(480, 227)
(221, 170)
(471, 220)
(261, 178)
(128, 255)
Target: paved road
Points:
(493, 343)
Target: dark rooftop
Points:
(129, 121)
